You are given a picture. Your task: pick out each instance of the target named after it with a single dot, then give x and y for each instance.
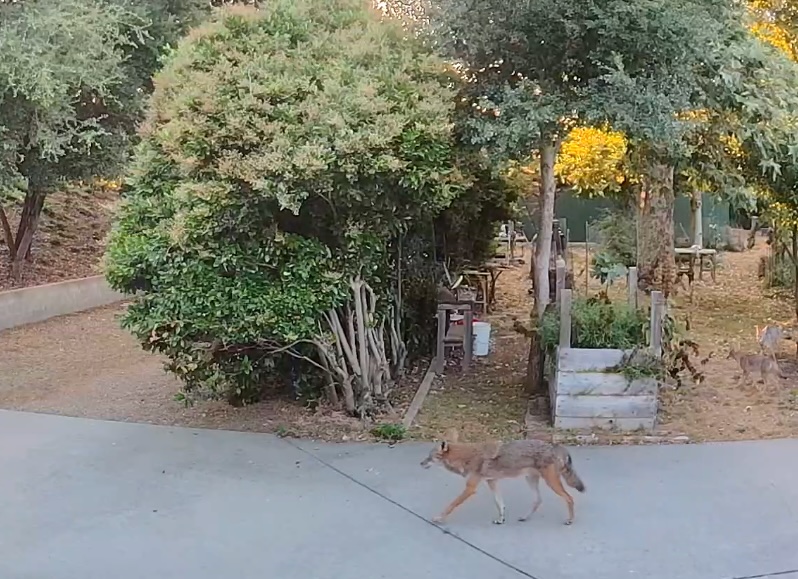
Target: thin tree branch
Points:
(8, 235)
(270, 348)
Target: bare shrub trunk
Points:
(353, 352)
(656, 263)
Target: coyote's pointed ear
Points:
(444, 446)
(452, 435)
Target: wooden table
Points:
(494, 270)
(483, 283)
(696, 253)
(453, 335)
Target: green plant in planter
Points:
(606, 269)
(641, 363)
(598, 323)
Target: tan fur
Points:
(770, 336)
(493, 461)
(765, 366)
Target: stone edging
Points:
(609, 439)
(36, 304)
(421, 395)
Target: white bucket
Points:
(481, 338)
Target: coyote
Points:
(769, 338)
(765, 365)
(492, 461)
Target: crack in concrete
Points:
(399, 505)
(469, 544)
(769, 575)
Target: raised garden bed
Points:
(605, 387)
(588, 391)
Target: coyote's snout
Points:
(493, 461)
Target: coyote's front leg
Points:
(471, 488)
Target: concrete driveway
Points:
(82, 499)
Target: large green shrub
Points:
(284, 151)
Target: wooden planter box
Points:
(586, 394)
(585, 388)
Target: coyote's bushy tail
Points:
(568, 472)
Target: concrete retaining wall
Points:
(35, 304)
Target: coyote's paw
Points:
(499, 521)
(438, 520)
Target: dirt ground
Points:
(85, 365)
(720, 315)
(70, 239)
(490, 401)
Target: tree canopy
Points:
(537, 69)
(75, 75)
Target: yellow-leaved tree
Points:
(592, 160)
(776, 22)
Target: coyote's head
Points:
(438, 453)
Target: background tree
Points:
(594, 161)
(74, 75)
(535, 68)
(286, 153)
(776, 23)
(60, 59)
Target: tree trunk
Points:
(34, 172)
(795, 273)
(697, 218)
(8, 235)
(548, 186)
(656, 264)
(535, 383)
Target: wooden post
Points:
(657, 313)
(565, 319)
(587, 258)
(440, 360)
(697, 219)
(511, 239)
(468, 339)
(794, 257)
(534, 365)
(631, 287)
(559, 280)
(508, 256)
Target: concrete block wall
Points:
(35, 304)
